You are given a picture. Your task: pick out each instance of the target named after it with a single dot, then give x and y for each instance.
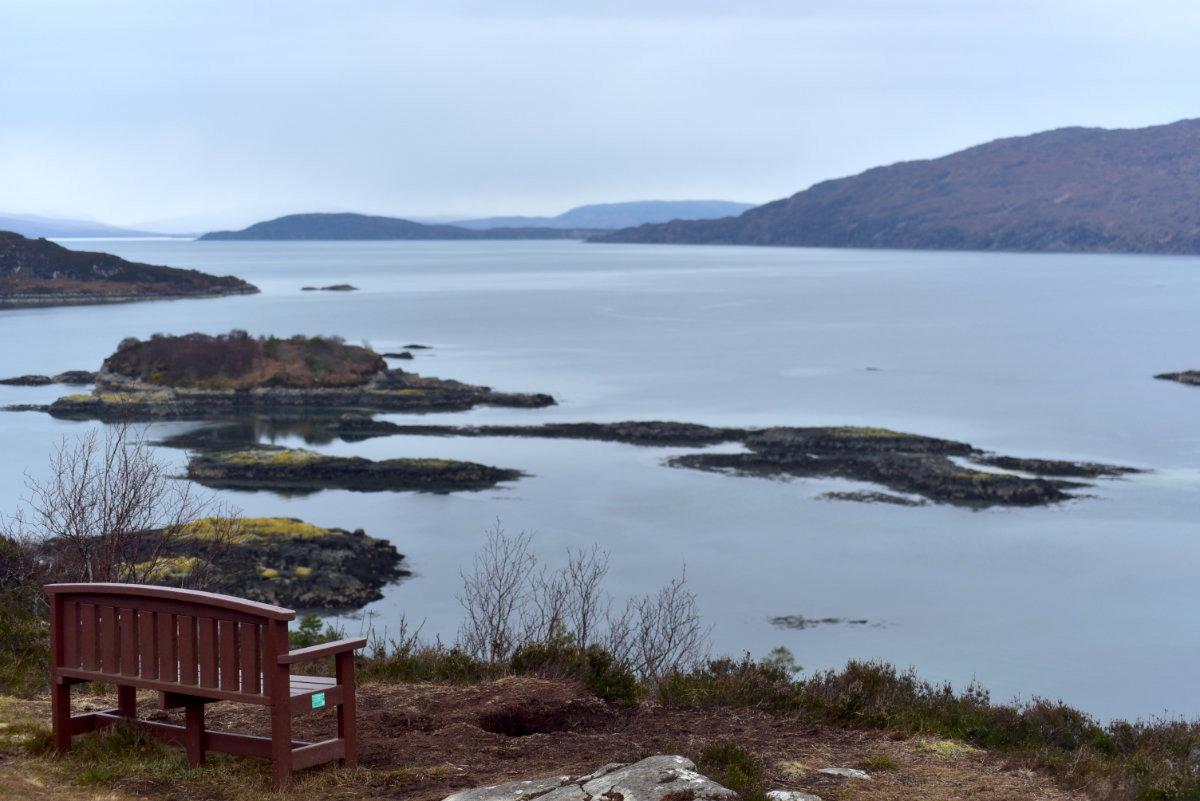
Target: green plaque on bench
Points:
(318, 700)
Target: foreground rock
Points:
(656, 778)
(298, 471)
(283, 561)
(939, 470)
(199, 376)
(37, 272)
(1190, 377)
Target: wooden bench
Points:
(195, 648)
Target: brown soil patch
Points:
(425, 741)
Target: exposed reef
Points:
(866, 496)
(198, 377)
(937, 470)
(76, 377)
(1190, 377)
(906, 463)
(650, 433)
(800, 622)
(27, 381)
(300, 471)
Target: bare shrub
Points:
(659, 633)
(512, 604)
(496, 595)
(587, 603)
(110, 511)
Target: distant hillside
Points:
(37, 272)
(1073, 189)
(619, 215)
(361, 226)
(33, 226)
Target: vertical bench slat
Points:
(187, 649)
(87, 635)
(70, 620)
(206, 643)
(227, 631)
(167, 666)
(108, 640)
(147, 647)
(127, 623)
(248, 639)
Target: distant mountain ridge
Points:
(618, 215)
(1066, 190)
(32, 225)
(349, 226)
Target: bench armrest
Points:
(324, 649)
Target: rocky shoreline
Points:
(200, 377)
(120, 399)
(1189, 377)
(299, 471)
(38, 272)
(926, 469)
(46, 296)
(283, 561)
(69, 377)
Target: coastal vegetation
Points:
(198, 376)
(287, 562)
(522, 665)
(239, 361)
(37, 272)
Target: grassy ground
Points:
(423, 741)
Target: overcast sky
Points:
(192, 115)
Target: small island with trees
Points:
(198, 376)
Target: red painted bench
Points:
(195, 648)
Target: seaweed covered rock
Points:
(296, 471)
(282, 561)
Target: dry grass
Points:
(424, 741)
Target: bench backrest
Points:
(168, 639)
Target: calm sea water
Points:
(1096, 601)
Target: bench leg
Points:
(127, 702)
(281, 747)
(60, 716)
(193, 718)
(347, 730)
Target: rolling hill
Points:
(34, 226)
(364, 227)
(1068, 190)
(619, 215)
